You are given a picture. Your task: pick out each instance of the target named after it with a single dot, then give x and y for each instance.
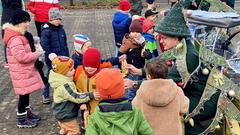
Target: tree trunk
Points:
(71, 3)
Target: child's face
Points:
(90, 70)
(151, 31)
(70, 73)
(24, 25)
(86, 46)
(56, 22)
(135, 35)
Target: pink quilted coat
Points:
(25, 77)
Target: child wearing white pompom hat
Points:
(65, 95)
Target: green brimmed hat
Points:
(174, 23)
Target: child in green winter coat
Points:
(115, 115)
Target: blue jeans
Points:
(131, 92)
(46, 91)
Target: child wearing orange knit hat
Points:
(65, 95)
(114, 109)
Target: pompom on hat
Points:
(110, 83)
(61, 64)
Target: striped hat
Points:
(79, 41)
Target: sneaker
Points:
(45, 100)
(33, 117)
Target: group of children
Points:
(90, 84)
(82, 83)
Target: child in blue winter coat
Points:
(121, 23)
(53, 40)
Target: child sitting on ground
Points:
(65, 95)
(115, 115)
(161, 100)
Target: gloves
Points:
(147, 54)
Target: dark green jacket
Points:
(117, 117)
(194, 90)
(136, 7)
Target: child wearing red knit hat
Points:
(85, 77)
(65, 95)
(114, 114)
(121, 23)
(151, 43)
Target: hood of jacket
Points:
(56, 80)
(11, 31)
(120, 18)
(148, 36)
(112, 121)
(158, 92)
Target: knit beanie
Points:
(147, 25)
(124, 5)
(61, 64)
(79, 41)
(19, 16)
(54, 13)
(110, 84)
(136, 26)
(91, 58)
(174, 23)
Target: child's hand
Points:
(96, 95)
(122, 57)
(133, 70)
(83, 107)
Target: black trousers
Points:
(23, 103)
(39, 27)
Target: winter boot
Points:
(23, 122)
(30, 115)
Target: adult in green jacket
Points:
(115, 115)
(174, 29)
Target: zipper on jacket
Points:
(88, 84)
